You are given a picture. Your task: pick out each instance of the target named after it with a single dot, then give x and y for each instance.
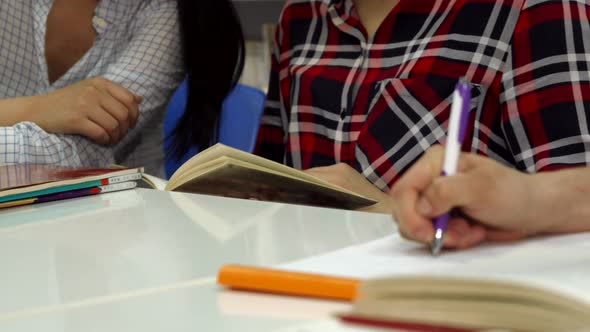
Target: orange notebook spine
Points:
(287, 283)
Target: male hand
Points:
(493, 201)
(348, 178)
(95, 108)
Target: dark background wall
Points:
(254, 13)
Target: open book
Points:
(224, 171)
(541, 284)
(469, 303)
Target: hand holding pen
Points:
(456, 134)
(495, 201)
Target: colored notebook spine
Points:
(71, 194)
(72, 187)
(86, 192)
(123, 178)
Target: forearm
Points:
(28, 143)
(560, 201)
(15, 110)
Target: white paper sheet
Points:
(561, 263)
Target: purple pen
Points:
(456, 134)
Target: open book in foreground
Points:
(536, 285)
(224, 171)
(467, 304)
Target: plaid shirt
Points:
(137, 46)
(378, 104)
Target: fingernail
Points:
(424, 207)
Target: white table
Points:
(146, 261)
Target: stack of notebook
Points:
(29, 184)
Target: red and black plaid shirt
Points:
(379, 104)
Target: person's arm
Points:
(94, 108)
(14, 110)
(561, 200)
(494, 202)
(149, 66)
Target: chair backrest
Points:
(240, 119)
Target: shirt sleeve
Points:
(274, 126)
(545, 97)
(150, 66)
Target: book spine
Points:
(68, 195)
(123, 178)
(118, 187)
(397, 325)
(86, 192)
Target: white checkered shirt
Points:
(137, 46)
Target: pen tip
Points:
(437, 242)
(436, 247)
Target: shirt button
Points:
(343, 113)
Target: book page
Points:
(559, 263)
(155, 182)
(229, 177)
(194, 164)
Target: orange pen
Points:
(287, 283)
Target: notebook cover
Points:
(49, 191)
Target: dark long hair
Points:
(213, 50)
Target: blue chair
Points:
(240, 119)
